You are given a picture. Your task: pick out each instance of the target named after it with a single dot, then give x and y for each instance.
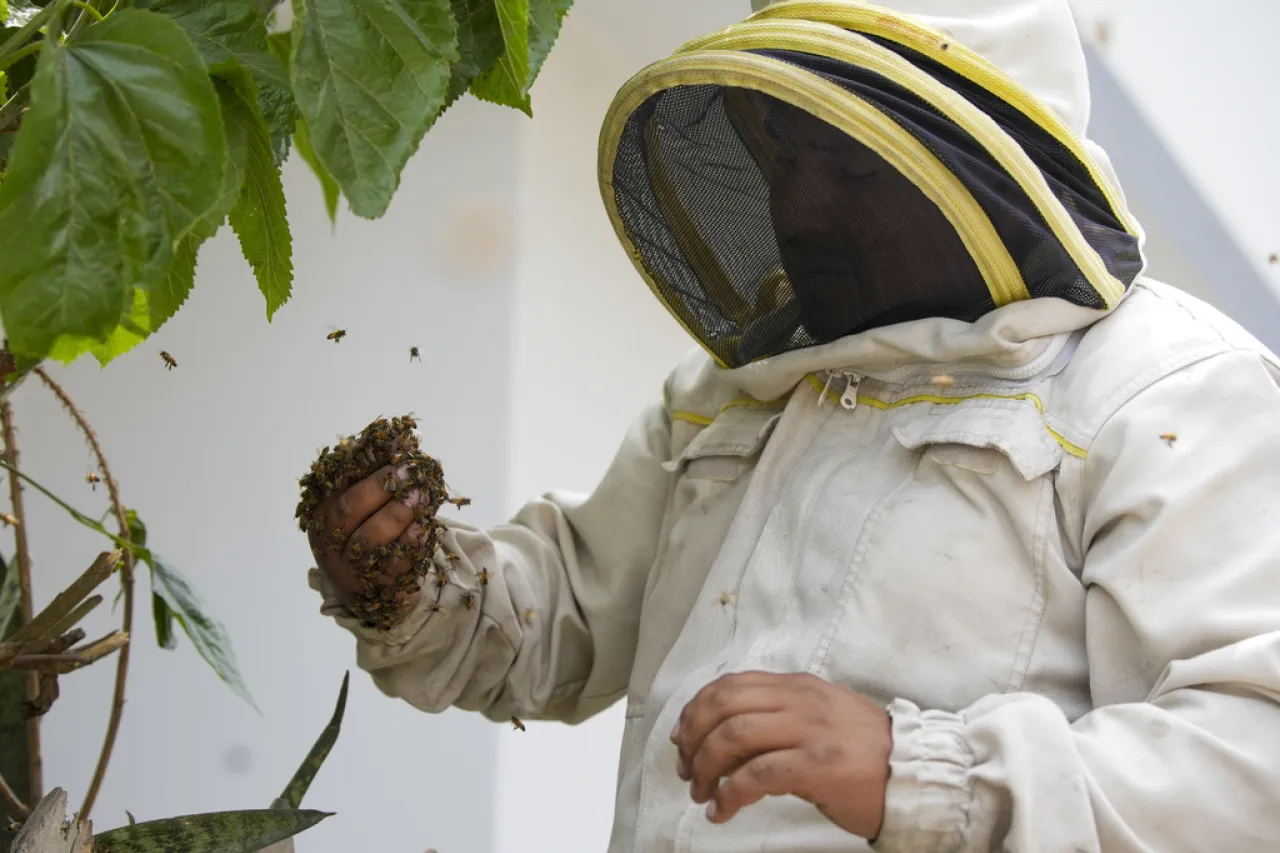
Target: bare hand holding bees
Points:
(369, 508)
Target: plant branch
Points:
(16, 806)
(35, 769)
(126, 581)
(88, 8)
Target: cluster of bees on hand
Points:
(413, 474)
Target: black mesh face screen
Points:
(765, 229)
(717, 219)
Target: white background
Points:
(539, 345)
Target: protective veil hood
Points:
(810, 186)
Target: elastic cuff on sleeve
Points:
(927, 800)
(400, 633)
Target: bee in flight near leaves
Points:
(336, 335)
(93, 479)
(8, 519)
(414, 355)
(169, 362)
(518, 723)
(460, 502)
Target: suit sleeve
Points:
(1182, 571)
(549, 630)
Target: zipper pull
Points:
(849, 399)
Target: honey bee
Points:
(528, 616)
(460, 502)
(93, 479)
(516, 722)
(469, 600)
(1169, 438)
(943, 381)
(414, 355)
(336, 336)
(484, 577)
(169, 362)
(725, 599)
(8, 519)
(1274, 259)
(435, 608)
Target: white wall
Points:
(1204, 75)
(210, 453)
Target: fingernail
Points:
(711, 810)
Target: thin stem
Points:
(94, 13)
(79, 516)
(20, 53)
(126, 581)
(8, 112)
(17, 808)
(35, 764)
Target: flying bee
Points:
(414, 355)
(169, 362)
(460, 502)
(515, 721)
(93, 479)
(8, 519)
(1169, 438)
(943, 381)
(468, 600)
(336, 335)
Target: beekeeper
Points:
(956, 533)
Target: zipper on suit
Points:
(849, 399)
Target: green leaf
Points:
(218, 832)
(185, 604)
(121, 152)
(15, 764)
(506, 82)
(258, 215)
(370, 76)
(302, 143)
(301, 781)
(480, 43)
(4, 11)
(206, 633)
(152, 308)
(234, 32)
(282, 47)
(545, 19)
(10, 599)
(160, 612)
(163, 618)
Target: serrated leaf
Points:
(217, 832)
(370, 76)
(282, 47)
(545, 19)
(505, 83)
(480, 43)
(258, 216)
(188, 607)
(332, 192)
(234, 32)
(301, 781)
(120, 153)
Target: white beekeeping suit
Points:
(941, 443)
